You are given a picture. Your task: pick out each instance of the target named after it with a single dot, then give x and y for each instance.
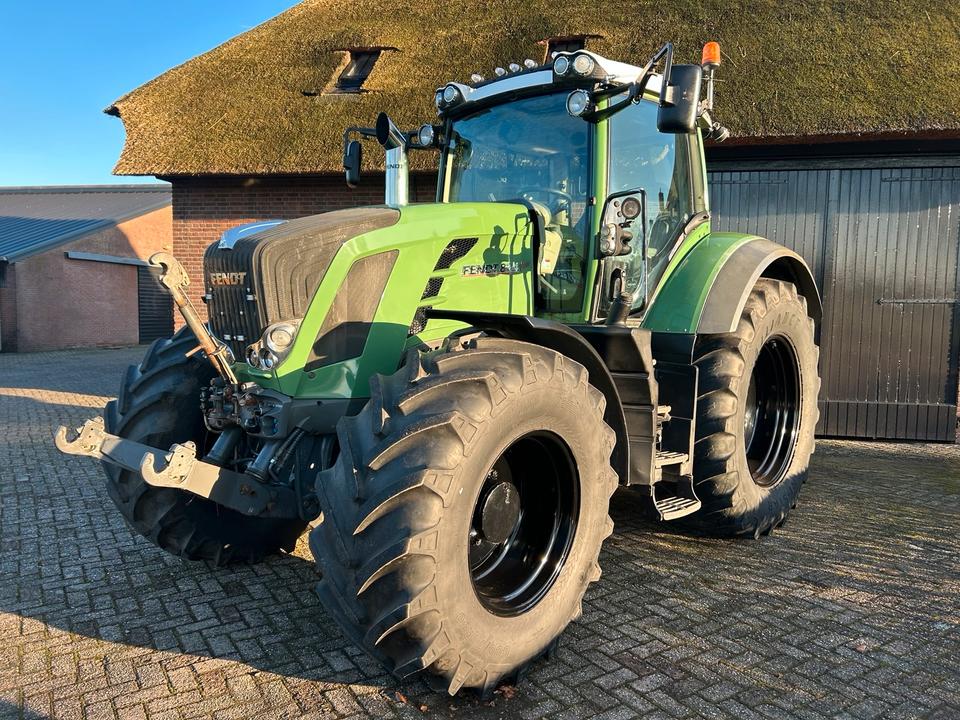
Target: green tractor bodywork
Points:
(455, 265)
(497, 234)
(497, 276)
(451, 391)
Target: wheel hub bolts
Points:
(500, 512)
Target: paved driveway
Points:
(850, 610)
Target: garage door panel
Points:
(883, 244)
(155, 311)
(786, 206)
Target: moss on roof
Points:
(799, 69)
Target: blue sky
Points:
(62, 63)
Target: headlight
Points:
(630, 209)
(273, 346)
(267, 359)
(450, 94)
(579, 103)
(426, 135)
(279, 337)
(438, 98)
(561, 65)
(583, 64)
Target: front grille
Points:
(455, 250)
(419, 320)
(432, 288)
(231, 307)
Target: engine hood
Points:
(258, 278)
(363, 282)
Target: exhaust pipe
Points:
(397, 181)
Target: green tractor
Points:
(447, 394)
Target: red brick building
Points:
(845, 146)
(73, 269)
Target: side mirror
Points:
(620, 212)
(680, 100)
(352, 155)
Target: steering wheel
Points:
(661, 230)
(565, 196)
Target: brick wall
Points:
(64, 303)
(8, 311)
(203, 207)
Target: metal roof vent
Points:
(354, 70)
(565, 43)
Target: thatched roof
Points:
(803, 69)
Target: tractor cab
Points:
(607, 156)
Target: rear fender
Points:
(708, 289)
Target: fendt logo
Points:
(227, 278)
(513, 267)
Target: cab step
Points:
(674, 496)
(667, 457)
(673, 507)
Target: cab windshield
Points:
(530, 150)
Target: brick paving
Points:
(850, 610)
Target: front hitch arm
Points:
(179, 468)
(175, 279)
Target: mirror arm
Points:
(666, 52)
(712, 130)
(363, 132)
(636, 88)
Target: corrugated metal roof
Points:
(36, 219)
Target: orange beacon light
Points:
(711, 54)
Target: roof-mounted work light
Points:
(585, 65)
(579, 103)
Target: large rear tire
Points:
(756, 414)
(463, 519)
(159, 405)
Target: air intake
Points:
(455, 250)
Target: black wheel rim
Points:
(772, 412)
(523, 523)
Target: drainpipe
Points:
(397, 191)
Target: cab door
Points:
(669, 169)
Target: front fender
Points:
(563, 339)
(708, 289)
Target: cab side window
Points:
(659, 163)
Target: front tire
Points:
(159, 405)
(756, 414)
(463, 519)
